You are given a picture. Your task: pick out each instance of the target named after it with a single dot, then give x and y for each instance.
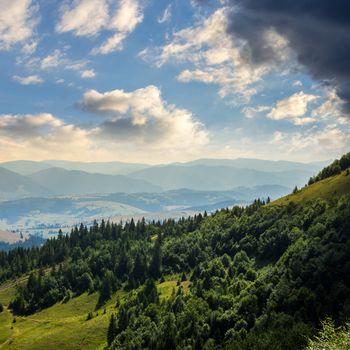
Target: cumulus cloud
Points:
(332, 107)
(313, 143)
(317, 31)
(91, 17)
(215, 58)
(42, 136)
(143, 117)
(131, 126)
(83, 17)
(28, 80)
(18, 19)
(27, 126)
(166, 16)
(294, 107)
(88, 73)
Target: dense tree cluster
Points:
(261, 278)
(101, 258)
(335, 168)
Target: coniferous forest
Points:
(266, 276)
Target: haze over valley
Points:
(39, 198)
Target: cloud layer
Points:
(215, 58)
(318, 31)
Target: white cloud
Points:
(250, 112)
(166, 16)
(297, 83)
(51, 61)
(30, 47)
(294, 107)
(42, 136)
(91, 17)
(113, 43)
(54, 60)
(83, 17)
(132, 126)
(330, 141)
(143, 117)
(89, 73)
(29, 80)
(331, 108)
(216, 58)
(17, 22)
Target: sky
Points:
(172, 81)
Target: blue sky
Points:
(155, 82)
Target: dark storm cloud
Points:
(317, 30)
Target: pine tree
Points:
(139, 266)
(112, 330)
(155, 266)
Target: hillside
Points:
(13, 185)
(254, 278)
(328, 189)
(25, 167)
(73, 182)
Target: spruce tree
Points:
(112, 330)
(155, 266)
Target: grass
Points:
(8, 289)
(64, 326)
(166, 288)
(329, 188)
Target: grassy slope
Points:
(64, 326)
(329, 188)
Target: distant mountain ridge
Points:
(13, 185)
(74, 182)
(27, 167)
(217, 178)
(55, 177)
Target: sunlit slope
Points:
(328, 189)
(64, 325)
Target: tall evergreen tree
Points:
(156, 262)
(112, 330)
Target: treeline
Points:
(335, 168)
(31, 241)
(99, 258)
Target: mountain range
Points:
(21, 179)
